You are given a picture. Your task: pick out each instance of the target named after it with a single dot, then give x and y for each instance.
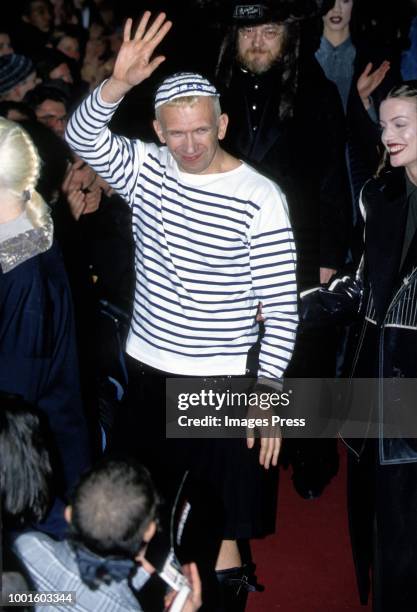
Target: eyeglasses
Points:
(52, 119)
(268, 33)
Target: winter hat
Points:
(13, 70)
(183, 84)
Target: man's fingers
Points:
(77, 204)
(276, 451)
(196, 585)
(154, 27)
(142, 25)
(266, 452)
(154, 42)
(127, 30)
(270, 446)
(157, 61)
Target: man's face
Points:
(69, 46)
(54, 115)
(39, 15)
(62, 72)
(259, 47)
(24, 86)
(5, 45)
(192, 135)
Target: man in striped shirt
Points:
(213, 241)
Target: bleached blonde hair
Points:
(190, 101)
(20, 167)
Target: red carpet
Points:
(307, 565)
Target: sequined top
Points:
(15, 250)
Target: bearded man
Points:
(287, 121)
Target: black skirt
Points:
(223, 472)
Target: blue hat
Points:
(13, 70)
(183, 84)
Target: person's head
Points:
(260, 47)
(70, 40)
(25, 470)
(17, 77)
(69, 46)
(188, 119)
(261, 34)
(114, 510)
(19, 173)
(5, 44)
(262, 38)
(50, 107)
(337, 19)
(16, 111)
(398, 120)
(54, 65)
(38, 13)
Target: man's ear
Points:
(149, 532)
(147, 537)
(68, 514)
(159, 132)
(222, 124)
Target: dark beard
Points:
(253, 66)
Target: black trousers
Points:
(382, 503)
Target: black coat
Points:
(385, 344)
(383, 470)
(303, 154)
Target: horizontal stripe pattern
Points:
(183, 84)
(209, 248)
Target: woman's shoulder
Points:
(389, 185)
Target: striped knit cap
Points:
(13, 70)
(183, 84)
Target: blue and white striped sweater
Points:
(209, 248)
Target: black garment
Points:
(28, 40)
(303, 154)
(411, 226)
(383, 472)
(98, 253)
(243, 490)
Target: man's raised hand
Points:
(134, 62)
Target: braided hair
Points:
(20, 167)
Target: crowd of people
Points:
(161, 212)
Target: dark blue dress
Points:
(38, 358)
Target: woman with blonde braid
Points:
(37, 344)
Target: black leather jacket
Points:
(387, 339)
